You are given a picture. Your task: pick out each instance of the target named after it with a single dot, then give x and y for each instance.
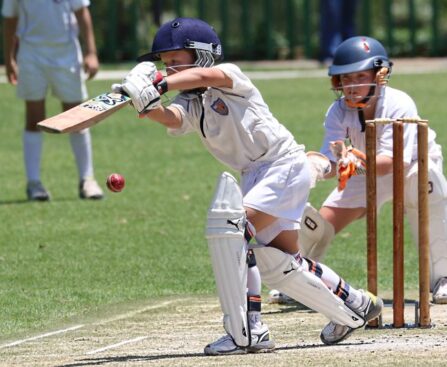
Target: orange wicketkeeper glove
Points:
(350, 162)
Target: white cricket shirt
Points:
(341, 123)
(237, 126)
(45, 22)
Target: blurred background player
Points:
(360, 74)
(42, 51)
(337, 23)
(227, 111)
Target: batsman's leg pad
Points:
(437, 201)
(228, 250)
(281, 271)
(315, 234)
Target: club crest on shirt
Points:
(220, 107)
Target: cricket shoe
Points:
(89, 189)
(334, 333)
(260, 342)
(36, 192)
(440, 291)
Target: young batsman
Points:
(359, 74)
(42, 52)
(226, 110)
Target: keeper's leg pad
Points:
(228, 250)
(315, 234)
(281, 271)
(437, 201)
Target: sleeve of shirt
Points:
(241, 82)
(333, 130)
(10, 8)
(190, 110)
(78, 4)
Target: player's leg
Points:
(281, 270)
(228, 232)
(437, 199)
(338, 211)
(81, 146)
(32, 88)
(68, 85)
(32, 149)
(319, 288)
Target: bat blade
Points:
(86, 114)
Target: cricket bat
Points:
(86, 114)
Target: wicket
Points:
(423, 318)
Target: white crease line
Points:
(132, 313)
(41, 336)
(118, 344)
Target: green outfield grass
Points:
(69, 259)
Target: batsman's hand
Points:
(320, 166)
(350, 162)
(139, 86)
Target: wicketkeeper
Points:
(359, 74)
(226, 110)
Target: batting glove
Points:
(138, 84)
(320, 166)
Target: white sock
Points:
(32, 150)
(82, 149)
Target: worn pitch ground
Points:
(173, 332)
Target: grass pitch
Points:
(69, 259)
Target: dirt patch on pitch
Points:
(173, 332)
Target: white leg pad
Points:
(228, 250)
(281, 271)
(437, 201)
(315, 234)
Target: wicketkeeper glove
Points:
(350, 162)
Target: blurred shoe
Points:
(276, 296)
(89, 189)
(440, 291)
(36, 192)
(260, 342)
(334, 333)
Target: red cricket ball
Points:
(115, 182)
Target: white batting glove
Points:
(138, 84)
(320, 166)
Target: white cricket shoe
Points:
(89, 189)
(36, 192)
(334, 333)
(440, 291)
(276, 296)
(260, 342)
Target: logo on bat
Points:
(104, 101)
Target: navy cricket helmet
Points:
(358, 54)
(187, 33)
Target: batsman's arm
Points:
(185, 80)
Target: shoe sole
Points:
(210, 352)
(264, 347)
(327, 342)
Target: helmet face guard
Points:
(187, 34)
(358, 54)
